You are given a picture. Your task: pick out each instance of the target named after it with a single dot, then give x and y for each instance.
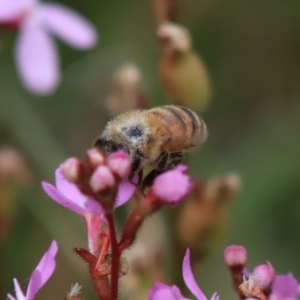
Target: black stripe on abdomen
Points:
(176, 114)
(193, 118)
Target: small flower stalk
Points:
(205, 218)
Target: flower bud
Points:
(172, 186)
(72, 169)
(102, 179)
(235, 256)
(182, 71)
(264, 275)
(95, 158)
(119, 163)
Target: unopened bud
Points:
(102, 179)
(128, 76)
(173, 186)
(119, 163)
(95, 158)
(182, 71)
(72, 169)
(235, 256)
(264, 275)
(223, 189)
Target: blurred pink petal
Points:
(10, 10)
(69, 196)
(37, 59)
(125, 192)
(58, 197)
(161, 291)
(43, 271)
(189, 278)
(69, 26)
(285, 287)
(39, 276)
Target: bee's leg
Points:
(136, 162)
(162, 160)
(148, 180)
(161, 167)
(175, 158)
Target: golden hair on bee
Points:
(156, 137)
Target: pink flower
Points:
(172, 186)
(36, 53)
(69, 196)
(162, 291)
(285, 287)
(39, 276)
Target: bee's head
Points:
(109, 146)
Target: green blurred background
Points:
(252, 52)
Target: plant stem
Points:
(115, 257)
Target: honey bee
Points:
(156, 137)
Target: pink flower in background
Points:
(161, 291)
(36, 53)
(39, 276)
(285, 287)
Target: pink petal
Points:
(70, 191)
(69, 26)
(285, 287)
(10, 297)
(216, 297)
(19, 293)
(37, 60)
(67, 188)
(161, 291)
(42, 272)
(10, 10)
(189, 278)
(126, 190)
(57, 196)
